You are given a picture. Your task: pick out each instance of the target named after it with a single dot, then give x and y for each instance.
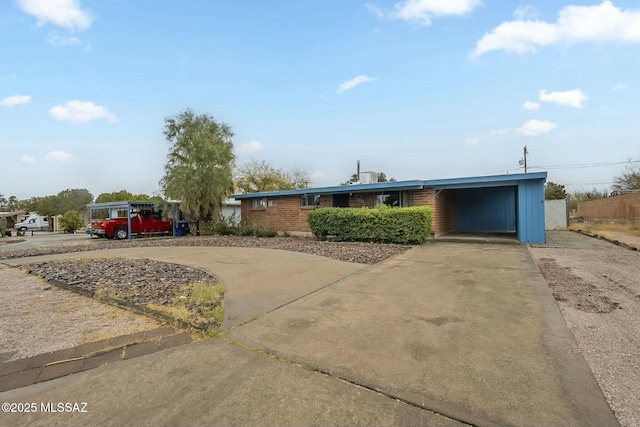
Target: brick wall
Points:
(619, 208)
(288, 215)
(424, 197)
(444, 213)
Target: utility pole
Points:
(524, 160)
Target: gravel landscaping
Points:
(363, 253)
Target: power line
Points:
(585, 165)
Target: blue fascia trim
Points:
(339, 189)
(485, 181)
(468, 182)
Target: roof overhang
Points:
(439, 184)
(339, 189)
(13, 213)
(485, 181)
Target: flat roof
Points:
(439, 184)
(124, 204)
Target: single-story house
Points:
(499, 203)
(13, 217)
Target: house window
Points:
(390, 198)
(272, 203)
(309, 200)
(260, 203)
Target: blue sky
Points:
(418, 89)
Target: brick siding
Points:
(289, 216)
(623, 208)
(444, 213)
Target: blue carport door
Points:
(486, 209)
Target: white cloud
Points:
(61, 41)
(526, 12)
(28, 160)
(63, 13)
(58, 157)
(576, 24)
(79, 111)
(348, 85)
(536, 127)
(572, 98)
(529, 105)
(423, 11)
(619, 86)
(250, 147)
(503, 131)
(472, 141)
(11, 101)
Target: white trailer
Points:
(33, 222)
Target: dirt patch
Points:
(10, 241)
(597, 287)
(37, 318)
(573, 290)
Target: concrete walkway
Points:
(443, 334)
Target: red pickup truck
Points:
(142, 222)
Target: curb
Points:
(615, 242)
(47, 366)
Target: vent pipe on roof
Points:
(358, 170)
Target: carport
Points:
(505, 204)
(124, 209)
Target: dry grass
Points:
(599, 228)
(200, 304)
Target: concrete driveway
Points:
(42, 239)
(443, 334)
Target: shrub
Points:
(380, 225)
(71, 221)
(221, 225)
(257, 230)
(3, 226)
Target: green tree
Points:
(553, 191)
(199, 168)
(71, 221)
(383, 178)
(44, 206)
(255, 177)
(64, 201)
(3, 201)
(583, 196)
(630, 178)
(125, 196)
(75, 199)
(14, 203)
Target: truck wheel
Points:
(121, 233)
